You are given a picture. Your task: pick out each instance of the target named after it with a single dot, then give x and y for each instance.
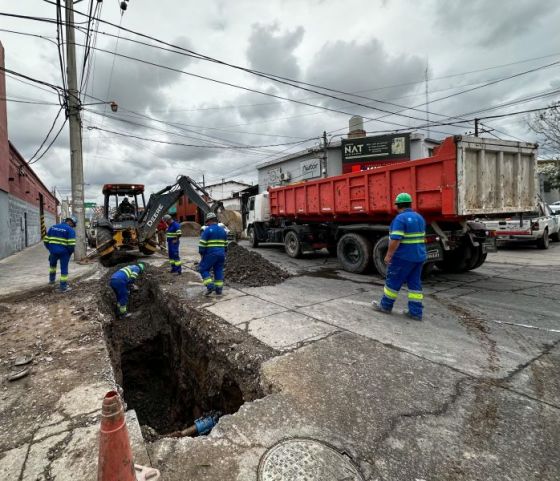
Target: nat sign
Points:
(365, 152)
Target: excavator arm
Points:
(161, 202)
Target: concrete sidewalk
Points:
(29, 269)
(49, 419)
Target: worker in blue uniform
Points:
(121, 283)
(212, 248)
(60, 242)
(405, 257)
(173, 234)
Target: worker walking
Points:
(212, 247)
(173, 236)
(60, 242)
(121, 283)
(405, 257)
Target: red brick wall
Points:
(187, 210)
(4, 149)
(25, 184)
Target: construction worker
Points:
(121, 283)
(60, 242)
(173, 235)
(405, 257)
(212, 248)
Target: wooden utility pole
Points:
(76, 161)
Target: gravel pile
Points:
(251, 269)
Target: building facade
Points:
(311, 163)
(22, 194)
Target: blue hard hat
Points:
(74, 220)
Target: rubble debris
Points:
(14, 376)
(23, 360)
(251, 269)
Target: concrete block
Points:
(243, 309)
(11, 462)
(305, 291)
(286, 330)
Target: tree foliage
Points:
(546, 125)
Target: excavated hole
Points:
(177, 363)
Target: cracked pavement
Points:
(471, 393)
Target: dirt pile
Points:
(251, 269)
(190, 229)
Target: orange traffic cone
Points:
(115, 455)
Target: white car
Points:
(555, 207)
(540, 226)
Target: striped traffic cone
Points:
(115, 454)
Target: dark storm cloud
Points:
(363, 67)
(272, 51)
(136, 85)
(494, 22)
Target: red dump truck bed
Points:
(467, 177)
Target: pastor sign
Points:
(310, 168)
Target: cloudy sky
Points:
(376, 49)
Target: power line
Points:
(47, 136)
(33, 102)
(157, 141)
(276, 78)
(51, 144)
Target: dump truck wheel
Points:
(379, 252)
(454, 261)
(252, 237)
(292, 245)
(354, 252)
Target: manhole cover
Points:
(306, 459)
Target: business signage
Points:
(90, 205)
(310, 168)
(368, 150)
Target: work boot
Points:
(64, 289)
(219, 292)
(411, 316)
(126, 315)
(378, 307)
(209, 291)
(52, 283)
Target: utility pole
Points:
(76, 161)
(476, 127)
(325, 155)
(427, 102)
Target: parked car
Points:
(540, 226)
(555, 207)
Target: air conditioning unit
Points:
(285, 176)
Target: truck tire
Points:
(481, 261)
(292, 245)
(379, 252)
(253, 241)
(454, 261)
(354, 252)
(544, 241)
(331, 248)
